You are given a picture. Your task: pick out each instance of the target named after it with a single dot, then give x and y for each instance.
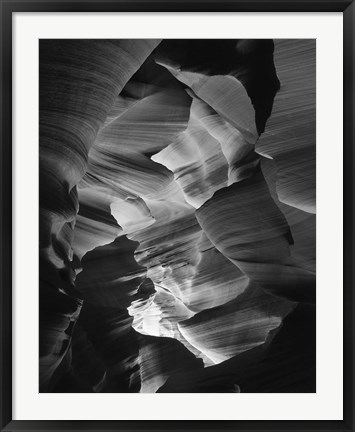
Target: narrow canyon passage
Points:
(177, 216)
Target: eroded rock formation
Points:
(177, 216)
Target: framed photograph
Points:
(177, 215)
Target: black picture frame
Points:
(8, 7)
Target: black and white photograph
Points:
(177, 216)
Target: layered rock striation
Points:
(177, 216)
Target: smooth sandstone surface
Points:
(177, 216)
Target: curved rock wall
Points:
(177, 215)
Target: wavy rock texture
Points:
(177, 216)
(79, 80)
(290, 140)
